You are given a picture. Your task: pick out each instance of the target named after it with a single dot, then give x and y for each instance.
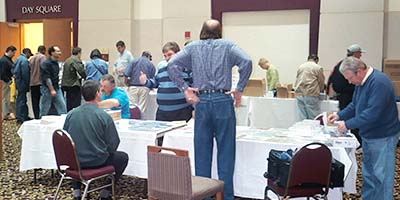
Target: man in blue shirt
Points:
(50, 88)
(211, 60)
(138, 93)
(113, 97)
(374, 111)
(22, 80)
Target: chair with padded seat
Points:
(68, 165)
(135, 112)
(170, 177)
(309, 174)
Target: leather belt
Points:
(212, 91)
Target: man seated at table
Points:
(113, 97)
(95, 136)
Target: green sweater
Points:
(94, 134)
(72, 67)
(272, 77)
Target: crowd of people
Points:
(197, 79)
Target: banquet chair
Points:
(320, 118)
(68, 165)
(135, 112)
(170, 177)
(309, 174)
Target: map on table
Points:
(148, 126)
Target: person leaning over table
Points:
(95, 136)
(211, 59)
(113, 97)
(374, 111)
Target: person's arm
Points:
(45, 75)
(25, 73)
(111, 138)
(274, 78)
(376, 103)
(108, 103)
(176, 66)
(244, 63)
(321, 80)
(80, 69)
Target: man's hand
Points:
(191, 97)
(121, 70)
(142, 78)
(333, 117)
(342, 127)
(53, 93)
(237, 97)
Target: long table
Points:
(251, 160)
(37, 148)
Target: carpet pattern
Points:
(20, 185)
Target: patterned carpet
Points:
(20, 185)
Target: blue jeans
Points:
(46, 101)
(215, 117)
(22, 108)
(378, 167)
(309, 106)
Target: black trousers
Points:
(73, 96)
(117, 159)
(35, 97)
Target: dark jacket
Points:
(6, 65)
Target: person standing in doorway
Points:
(22, 80)
(50, 89)
(35, 81)
(6, 65)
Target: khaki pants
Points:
(139, 95)
(6, 98)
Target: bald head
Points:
(211, 30)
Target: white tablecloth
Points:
(268, 112)
(37, 148)
(251, 162)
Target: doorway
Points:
(32, 33)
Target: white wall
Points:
(280, 36)
(102, 28)
(392, 31)
(2, 10)
(343, 23)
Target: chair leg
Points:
(58, 187)
(86, 190)
(113, 187)
(220, 195)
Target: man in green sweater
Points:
(272, 73)
(95, 136)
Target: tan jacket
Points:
(34, 64)
(309, 80)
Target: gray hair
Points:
(352, 64)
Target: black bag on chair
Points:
(278, 166)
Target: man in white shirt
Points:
(124, 57)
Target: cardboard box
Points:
(396, 86)
(115, 114)
(392, 69)
(255, 87)
(284, 91)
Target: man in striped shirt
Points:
(172, 105)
